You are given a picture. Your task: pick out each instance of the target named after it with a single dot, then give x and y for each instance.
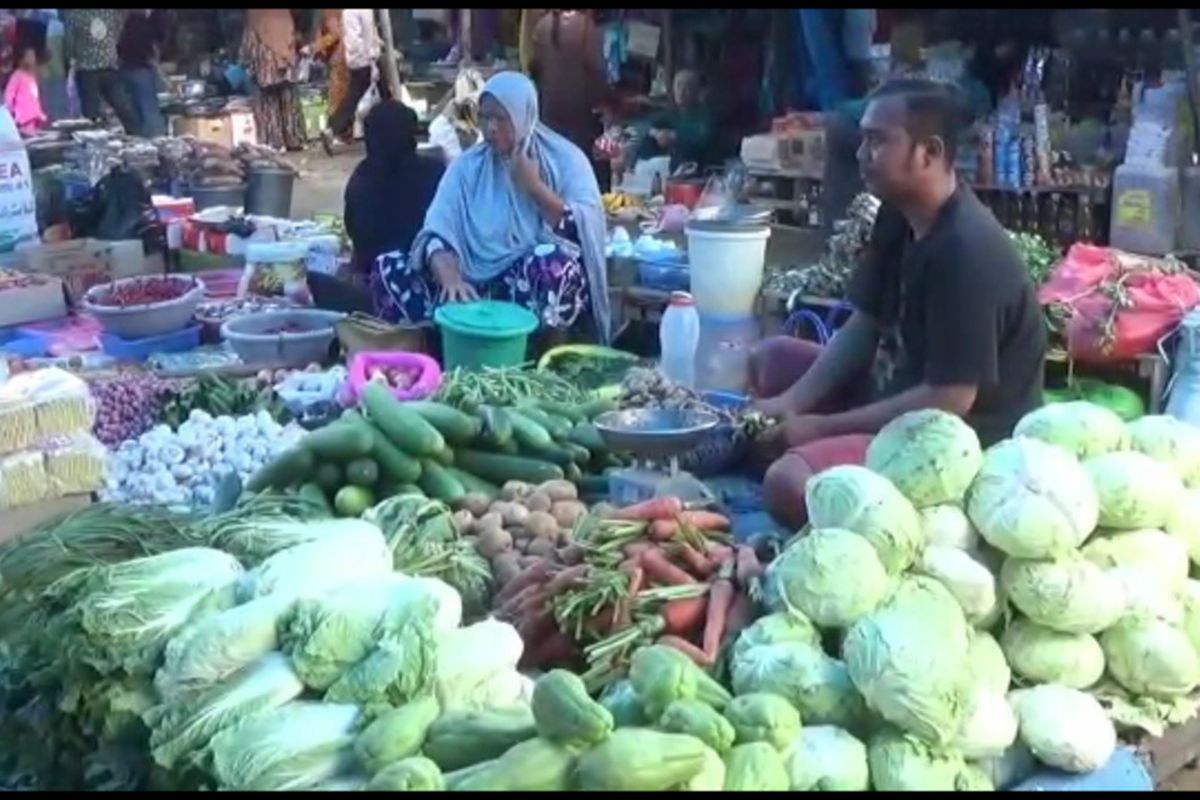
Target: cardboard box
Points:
(42, 301)
(16, 522)
(83, 263)
(228, 129)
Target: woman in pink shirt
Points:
(21, 94)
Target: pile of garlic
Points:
(182, 467)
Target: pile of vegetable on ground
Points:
(422, 596)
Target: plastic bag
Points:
(1121, 305)
(118, 208)
(277, 269)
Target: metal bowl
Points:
(654, 433)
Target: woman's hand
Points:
(447, 273)
(525, 171)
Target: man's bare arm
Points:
(848, 356)
(956, 400)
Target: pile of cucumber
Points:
(388, 447)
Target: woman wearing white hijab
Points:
(517, 217)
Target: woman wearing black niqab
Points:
(388, 192)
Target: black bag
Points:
(118, 208)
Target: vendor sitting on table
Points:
(944, 314)
(517, 217)
(685, 132)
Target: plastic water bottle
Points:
(679, 335)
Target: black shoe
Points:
(327, 142)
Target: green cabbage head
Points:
(1081, 428)
(1190, 608)
(1072, 595)
(1184, 524)
(948, 526)
(817, 685)
(1040, 655)
(986, 662)
(1135, 491)
(774, 628)
(812, 576)
(1032, 500)
(1063, 727)
(972, 585)
(929, 455)
(1169, 441)
(1151, 657)
(856, 499)
(990, 726)
(824, 758)
(909, 660)
(1162, 558)
(903, 763)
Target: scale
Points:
(654, 436)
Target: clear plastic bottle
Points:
(679, 335)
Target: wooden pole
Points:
(390, 72)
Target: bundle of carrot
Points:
(653, 571)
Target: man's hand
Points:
(798, 429)
(525, 171)
(448, 275)
(771, 407)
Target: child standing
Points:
(21, 94)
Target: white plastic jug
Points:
(678, 336)
(18, 211)
(726, 267)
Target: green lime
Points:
(352, 501)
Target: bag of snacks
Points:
(23, 479)
(277, 269)
(75, 465)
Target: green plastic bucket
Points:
(485, 333)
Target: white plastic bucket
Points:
(727, 268)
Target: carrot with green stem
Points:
(649, 510)
(696, 563)
(698, 522)
(659, 569)
(749, 567)
(720, 600)
(696, 654)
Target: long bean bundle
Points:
(506, 386)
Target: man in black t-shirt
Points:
(944, 313)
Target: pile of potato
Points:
(524, 523)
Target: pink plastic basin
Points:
(428, 380)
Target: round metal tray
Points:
(654, 433)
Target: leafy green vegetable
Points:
(824, 758)
(930, 456)
(856, 499)
(289, 748)
(1041, 655)
(1064, 728)
(812, 577)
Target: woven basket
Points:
(361, 332)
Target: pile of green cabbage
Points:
(186, 670)
(1029, 599)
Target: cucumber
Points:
(594, 484)
(552, 453)
(474, 485)
(329, 477)
(595, 408)
(573, 473)
(498, 468)
(437, 482)
(565, 410)
(454, 426)
(350, 415)
(314, 493)
(286, 470)
(407, 429)
(445, 457)
(579, 454)
(557, 427)
(362, 472)
(407, 489)
(509, 448)
(528, 432)
(585, 435)
(497, 426)
(393, 462)
(341, 441)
